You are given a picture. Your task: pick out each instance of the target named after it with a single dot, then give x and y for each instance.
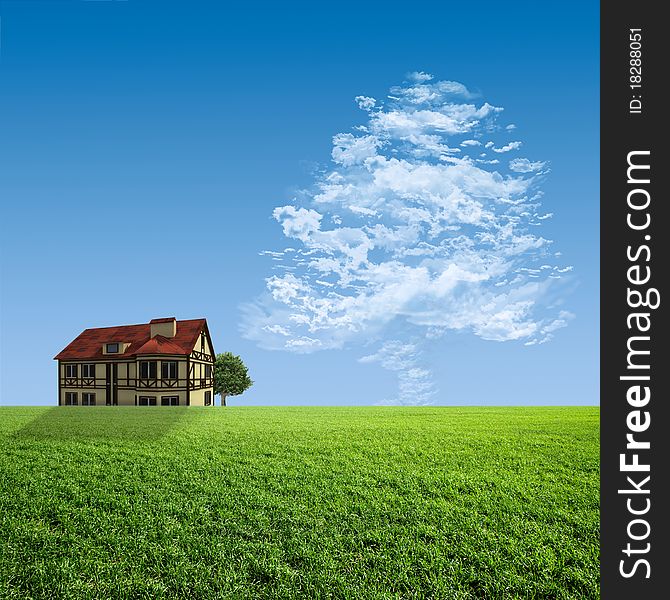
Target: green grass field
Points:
(299, 503)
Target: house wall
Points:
(160, 394)
(129, 387)
(95, 385)
(181, 368)
(99, 395)
(201, 358)
(200, 347)
(198, 396)
(126, 397)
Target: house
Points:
(161, 363)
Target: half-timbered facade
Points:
(161, 363)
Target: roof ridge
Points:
(115, 326)
(141, 324)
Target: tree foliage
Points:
(231, 376)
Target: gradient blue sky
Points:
(144, 145)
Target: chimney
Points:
(165, 327)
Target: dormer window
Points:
(112, 348)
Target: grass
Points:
(280, 502)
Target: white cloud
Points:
(419, 76)
(508, 147)
(297, 223)
(420, 91)
(302, 344)
(277, 329)
(351, 150)
(406, 237)
(547, 329)
(449, 119)
(365, 102)
(415, 385)
(287, 288)
(523, 165)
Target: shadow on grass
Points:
(64, 423)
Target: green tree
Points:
(231, 376)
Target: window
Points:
(148, 369)
(203, 346)
(88, 399)
(169, 400)
(112, 348)
(88, 371)
(70, 398)
(208, 398)
(147, 400)
(169, 369)
(71, 371)
(208, 371)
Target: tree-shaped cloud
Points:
(413, 232)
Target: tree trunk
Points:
(223, 399)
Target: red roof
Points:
(160, 345)
(88, 344)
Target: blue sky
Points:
(145, 146)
